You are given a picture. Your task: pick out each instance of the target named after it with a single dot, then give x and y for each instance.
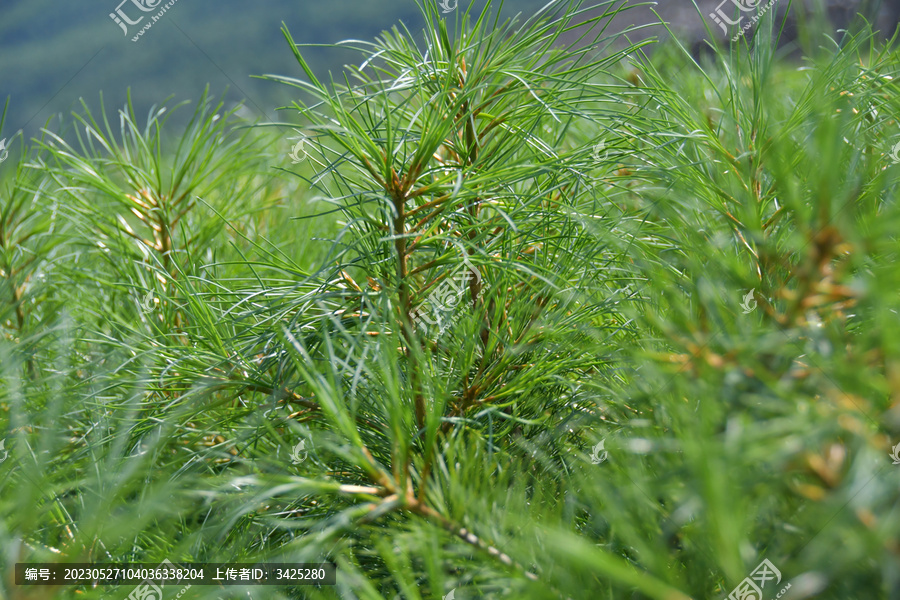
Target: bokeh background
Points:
(54, 53)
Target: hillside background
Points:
(53, 53)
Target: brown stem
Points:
(398, 193)
(282, 394)
(20, 324)
(469, 537)
(435, 202)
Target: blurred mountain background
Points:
(53, 53)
